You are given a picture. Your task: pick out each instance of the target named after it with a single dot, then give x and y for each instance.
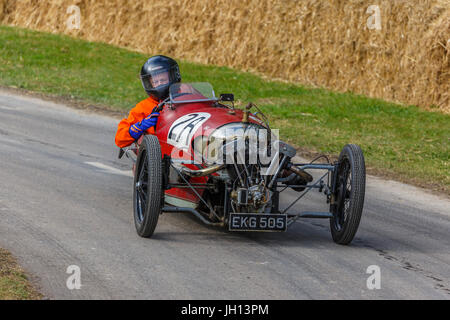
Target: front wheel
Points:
(349, 194)
(148, 191)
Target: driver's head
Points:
(158, 74)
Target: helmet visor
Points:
(159, 77)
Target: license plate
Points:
(258, 222)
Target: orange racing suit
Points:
(137, 114)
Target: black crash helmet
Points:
(158, 74)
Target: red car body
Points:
(195, 134)
(218, 117)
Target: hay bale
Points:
(315, 42)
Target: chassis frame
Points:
(319, 184)
(326, 183)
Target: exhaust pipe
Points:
(202, 172)
(301, 173)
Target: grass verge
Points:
(14, 284)
(401, 142)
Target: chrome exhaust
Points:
(202, 172)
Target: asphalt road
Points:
(65, 200)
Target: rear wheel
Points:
(148, 191)
(349, 194)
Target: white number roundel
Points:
(184, 128)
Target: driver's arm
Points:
(137, 114)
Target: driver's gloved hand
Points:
(137, 129)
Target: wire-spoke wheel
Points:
(148, 192)
(349, 194)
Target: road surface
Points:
(65, 199)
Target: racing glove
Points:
(137, 129)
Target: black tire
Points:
(349, 194)
(148, 190)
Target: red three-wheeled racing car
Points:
(227, 167)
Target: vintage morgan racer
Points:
(227, 167)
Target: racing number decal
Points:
(182, 130)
